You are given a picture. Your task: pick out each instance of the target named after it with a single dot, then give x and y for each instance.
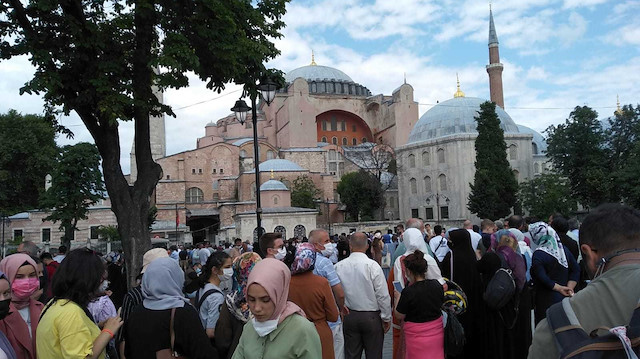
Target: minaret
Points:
(494, 69)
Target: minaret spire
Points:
(459, 92)
(494, 69)
(313, 59)
(618, 108)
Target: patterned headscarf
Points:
(236, 300)
(548, 241)
(305, 258)
(495, 238)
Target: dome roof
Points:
(279, 165)
(313, 72)
(541, 143)
(273, 185)
(455, 116)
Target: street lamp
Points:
(437, 196)
(267, 91)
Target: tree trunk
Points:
(68, 236)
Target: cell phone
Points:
(397, 286)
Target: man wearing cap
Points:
(134, 297)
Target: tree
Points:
(108, 233)
(546, 194)
(623, 145)
(493, 192)
(577, 150)
(76, 184)
(304, 192)
(102, 59)
(27, 152)
(362, 193)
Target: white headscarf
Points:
(548, 241)
(413, 239)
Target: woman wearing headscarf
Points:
(462, 259)
(21, 324)
(148, 328)
(235, 313)
(313, 294)
(279, 328)
(507, 331)
(376, 247)
(6, 350)
(66, 328)
(554, 270)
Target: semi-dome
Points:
(455, 116)
(279, 165)
(317, 72)
(540, 144)
(273, 185)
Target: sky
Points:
(557, 54)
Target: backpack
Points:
(501, 287)
(205, 295)
(573, 342)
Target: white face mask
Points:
(282, 252)
(328, 249)
(104, 285)
(266, 327)
(226, 274)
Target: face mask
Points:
(266, 327)
(103, 286)
(23, 288)
(328, 250)
(198, 271)
(4, 308)
(282, 252)
(226, 274)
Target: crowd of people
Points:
(333, 296)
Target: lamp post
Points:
(437, 196)
(267, 90)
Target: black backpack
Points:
(501, 287)
(205, 295)
(573, 342)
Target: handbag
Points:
(454, 338)
(170, 353)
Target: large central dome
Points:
(317, 72)
(455, 116)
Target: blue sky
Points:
(556, 55)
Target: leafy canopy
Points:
(546, 194)
(304, 192)
(493, 192)
(362, 194)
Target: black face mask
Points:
(4, 308)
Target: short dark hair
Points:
(560, 224)
(437, 229)
(237, 240)
(611, 227)
(573, 224)
(62, 249)
(266, 241)
(78, 277)
(45, 255)
(416, 263)
(515, 221)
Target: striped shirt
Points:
(132, 299)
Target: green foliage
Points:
(153, 215)
(27, 153)
(108, 233)
(623, 143)
(577, 150)
(362, 193)
(546, 194)
(76, 184)
(304, 192)
(493, 192)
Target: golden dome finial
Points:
(313, 59)
(459, 92)
(272, 173)
(618, 108)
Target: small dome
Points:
(455, 116)
(273, 185)
(211, 124)
(313, 72)
(538, 140)
(279, 165)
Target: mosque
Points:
(323, 125)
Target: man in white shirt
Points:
(475, 237)
(439, 245)
(367, 301)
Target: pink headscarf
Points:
(274, 277)
(10, 265)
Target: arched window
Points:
(513, 152)
(257, 235)
(345, 141)
(243, 153)
(440, 155)
(334, 140)
(412, 161)
(194, 195)
(324, 139)
(427, 184)
(426, 161)
(364, 140)
(299, 231)
(414, 186)
(354, 141)
(516, 174)
(443, 182)
(534, 148)
(270, 155)
(332, 155)
(215, 185)
(275, 199)
(281, 229)
(536, 167)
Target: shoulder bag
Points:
(170, 353)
